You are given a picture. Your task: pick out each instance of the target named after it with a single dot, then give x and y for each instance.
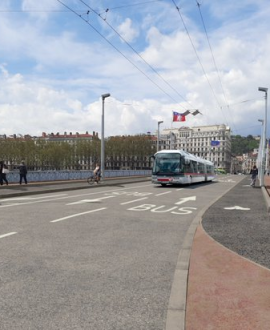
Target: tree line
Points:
(129, 152)
(242, 145)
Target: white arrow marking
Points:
(9, 234)
(89, 200)
(167, 192)
(78, 214)
(186, 199)
(237, 208)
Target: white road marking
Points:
(135, 200)
(90, 200)
(30, 198)
(8, 234)
(186, 199)
(179, 189)
(237, 208)
(78, 214)
(230, 181)
(70, 196)
(167, 192)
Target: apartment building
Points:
(211, 142)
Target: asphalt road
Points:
(101, 259)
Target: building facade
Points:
(211, 142)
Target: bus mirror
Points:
(152, 157)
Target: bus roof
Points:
(186, 155)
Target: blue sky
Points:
(58, 57)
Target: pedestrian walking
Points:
(23, 172)
(254, 174)
(3, 173)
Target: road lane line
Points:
(136, 200)
(90, 200)
(8, 234)
(77, 215)
(69, 196)
(29, 198)
(167, 192)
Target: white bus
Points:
(180, 167)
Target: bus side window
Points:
(201, 168)
(188, 168)
(195, 166)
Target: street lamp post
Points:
(263, 166)
(102, 153)
(260, 154)
(159, 122)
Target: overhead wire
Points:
(198, 58)
(213, 58)
(134, 50)
(135, 4)
(119, 51)
(52, 10)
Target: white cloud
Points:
(126, 30)
(55, 67)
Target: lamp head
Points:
(105, 95)
(263, 89)
(160, 122)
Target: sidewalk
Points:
(229, 276)
(17, 190)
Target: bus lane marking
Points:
(128, 193)
(8, 234)
(78, 214)
(90, 200)
(135, 200)
(186, 199)
(164, 193)
(164, 209)
(51, 199)
(160, 209)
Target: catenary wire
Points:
(196, 53)
(214, 61)
(87, 22)
(66, 11)
(134, 50)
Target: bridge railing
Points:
(39, 176)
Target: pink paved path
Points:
(225, 291)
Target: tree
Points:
(242, 145)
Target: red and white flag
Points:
(178, 116)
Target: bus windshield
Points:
(167, 163)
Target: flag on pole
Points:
(178, 116)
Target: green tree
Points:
(241, 145)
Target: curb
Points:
(176, 313)
(111, 182)
(266, 198)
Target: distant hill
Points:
(242, 145)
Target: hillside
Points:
(242, 145)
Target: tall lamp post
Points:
(159, 122)
(102, 153)
(260, 154)
(263, 165)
